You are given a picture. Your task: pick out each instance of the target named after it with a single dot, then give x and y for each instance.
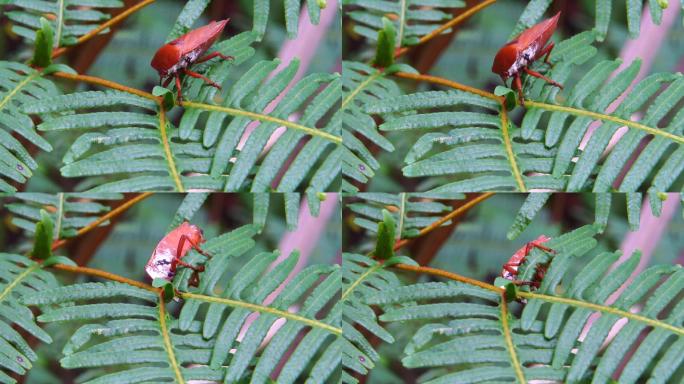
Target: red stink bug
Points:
(520, 52)
(172, 248)
(510, 269)
(178, 55)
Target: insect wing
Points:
(200, 39)
(538, 34)
(162, 263)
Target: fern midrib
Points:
(602, 308)
(173, 362)
(402, 210)
(539, 296)
(16, 89)
(8, 289)
(402, 22)
(506, 330)
(60, 211)
(60, 22)
(600, 116)
(264, 309)
(358, 281)
(360, 88)
(509, 150)
(173, 171)
(263, 118)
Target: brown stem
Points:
(109, 215)
(83, 250)
(449, 83)
(425, 56)
(451, 23)
(107, 83)
(105, 275)
(452, 215)
(83, 58)
(113, 21)
(425, 249)
(448, 275)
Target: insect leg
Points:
(199, 268)
(179, 87)
(539, 75)
(547, 51)
(197, 75)
(542, 247)
(517, 84)
(212, 55)
(167, 82)
(195, 246)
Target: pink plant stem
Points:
(646, 239)
(304, 239)
(645, 47)
(304, 48)
(308, 232)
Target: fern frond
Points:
(69, 211)
(363, 277)
(70, 19)
(482, 150)
(486, 152)
(657, 96)
(483, 341)
(19, 277)
(20, 86)
(291, 10)
(462, 335)
(363, 85)
(309, 147)
(535, 202)
(232, 301)
(193, 10)
(411, 211)
(413, 19)
(650, 304)
(291, 201)
(143, 340)
(535, 10)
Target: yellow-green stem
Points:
(508, 144)
(165, 332)
(9, 287)
(263, 309)
(166, 144)
(264, 118)
(506, 330)
(358, 281)
(360, 88)
(605, 309)
(603, 117)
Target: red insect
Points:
(172, 248)
(519, 53)
(178, 55)
(510, 269)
